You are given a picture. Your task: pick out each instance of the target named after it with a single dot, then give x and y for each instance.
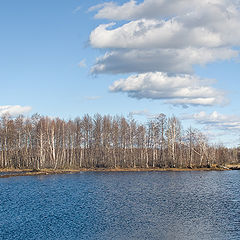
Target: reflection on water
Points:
(127, 205)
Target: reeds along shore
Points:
(106, 142)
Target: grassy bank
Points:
(29, 172)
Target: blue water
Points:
(124, 205)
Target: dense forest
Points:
(105, 142)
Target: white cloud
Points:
(151, 34)
(169, 37)
(14, 110)
(131, 10)
(182, 90)
(144, 112)
(156, 8)
(203, 24)
(217, 120)
(173, 61)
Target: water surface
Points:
(122, 205)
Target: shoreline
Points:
(31, 172)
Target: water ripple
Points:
(124, 205)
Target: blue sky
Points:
(51, 60)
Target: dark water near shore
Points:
(13, 172)
(122, 205)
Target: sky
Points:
(67, 58)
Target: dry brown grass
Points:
(30, 172)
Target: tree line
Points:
(106, 142)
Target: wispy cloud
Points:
(92, 98)
(144, 112)
(77, 9)
(82, 63)
(14, 110)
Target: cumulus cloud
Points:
(217, 120)
(170, 37)
(145, 33)
(206, 24)
(157, 8)
(173, 61)
(177, 90)
(147, 9)
(14, 110)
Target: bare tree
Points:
(107, 142)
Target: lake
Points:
(122, 205)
